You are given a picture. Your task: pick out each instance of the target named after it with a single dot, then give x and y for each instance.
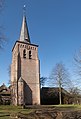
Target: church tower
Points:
(25, 70)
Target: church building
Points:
(25, 70)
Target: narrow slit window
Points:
(24, 53)
(30, 55)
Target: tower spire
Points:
(24, 34)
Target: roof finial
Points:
(24, 10)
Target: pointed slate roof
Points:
(24, 34)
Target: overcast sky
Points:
(55, 25)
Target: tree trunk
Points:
(60, 93)
(60, 96)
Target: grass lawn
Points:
(69, 106)
(7, 110)
(66, 108)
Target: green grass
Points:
(6, 110)
(66, 107)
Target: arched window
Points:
(30, 54)
(24, 53)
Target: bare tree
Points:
(42, 81)
(9, 72)
(2, 36)
(75, 93)
(1, 4)
(59, 77)
(77, 59)
(77, 68)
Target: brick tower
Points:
(25, 70)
